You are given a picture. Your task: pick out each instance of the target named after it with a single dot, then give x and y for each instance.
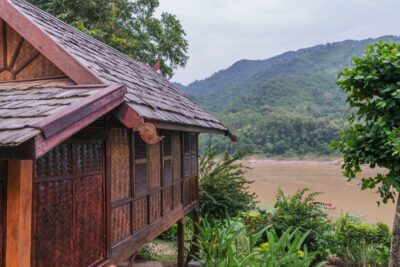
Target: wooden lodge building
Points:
(98, 152)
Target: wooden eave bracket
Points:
(132, 120)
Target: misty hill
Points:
(287, 104)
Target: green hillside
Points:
(285, 105)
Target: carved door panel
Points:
(69, 224)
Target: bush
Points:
(303, 212)
(223, 187)
(230, 244)
(358, 243)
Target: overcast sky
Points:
(220, 32)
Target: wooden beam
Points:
(181, 243)
(132, 245)
(19, 213)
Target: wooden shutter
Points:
(141, 173)
(187, 156)
(167, 159)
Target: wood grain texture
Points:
(177, 157)
(19, 213)
(20, 60)
(69, 225)
(154, 166)
(3, 210)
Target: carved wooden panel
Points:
(140, 219)
(167, 159)
(190, 193)
(20, 60)
(53, 223)
(3, 190)
(69, 223)
(154, 166)
(120, 164)
(88, 158)
(155, 206)
(177, 157)
(121, 223)
(89, 218)
(56, 163)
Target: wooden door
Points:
(69, 223)
(3, 190)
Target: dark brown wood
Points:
(43, 145)
(19, 213)
(23, 151)
(57, 122)
(133, 244)
(181, 243)
(70, 223)
(185, 128)
(67, 63)
(3, 210)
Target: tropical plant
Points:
(129, 26)
(303, 212)
(373, 135)
(223, 187)
(359, 244)
(228, 243)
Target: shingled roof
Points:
(149, 94)
(30, 108)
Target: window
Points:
(190, 155)
(167, 159)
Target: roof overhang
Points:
(59, 126)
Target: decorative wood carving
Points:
(20, 60)
(69, 224)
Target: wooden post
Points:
(181, 243)
(194, 249)
(19, 213)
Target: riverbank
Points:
(320, 175)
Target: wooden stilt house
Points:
(98, 153)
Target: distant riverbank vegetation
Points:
(280, 134)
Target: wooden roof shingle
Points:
(26, 108)
(149, 94)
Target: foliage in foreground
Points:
(223, 187)
(373, 134)
(231, 244)
(129, 26)
(354, 243)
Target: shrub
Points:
(358, 243)
(303, 212)
(223, 187)
(230, 244)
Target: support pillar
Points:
(19, 213)
(181, 243)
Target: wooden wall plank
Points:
(19, 213)
(154, 166)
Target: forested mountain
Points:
(288, 104)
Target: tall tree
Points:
(373, 134)
(129, 26)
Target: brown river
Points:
(321, 176)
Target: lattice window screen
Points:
(141, 173)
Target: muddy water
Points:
(321, 176)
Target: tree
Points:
(373, 134)
(129, 26)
